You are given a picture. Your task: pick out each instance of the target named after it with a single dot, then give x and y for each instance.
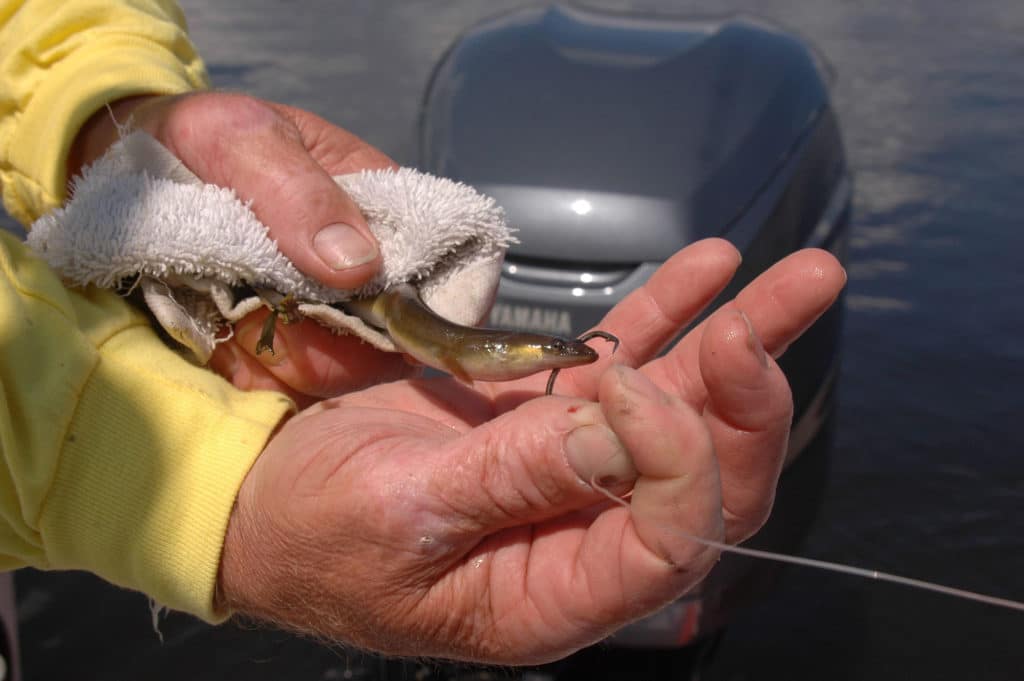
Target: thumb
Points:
(258, 150)
(531, 464)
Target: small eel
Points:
(470, 353)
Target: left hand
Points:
(426, 518)
(281, 159)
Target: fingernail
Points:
(342, 246)
(754, 343)
(597, 457)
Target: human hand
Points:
(281, 159)
(427, 518)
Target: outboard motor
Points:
(612, 141)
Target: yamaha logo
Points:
(530, 318)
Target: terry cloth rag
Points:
(198, 252)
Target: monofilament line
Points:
(838, 567)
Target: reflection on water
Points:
(928, 475)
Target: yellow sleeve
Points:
(63, 60)
(118, 456)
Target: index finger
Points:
(781, 304)
(646, 320)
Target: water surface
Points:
(928, 469)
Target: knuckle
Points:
(223, 120)
(234, 112)
(516, 481)
(744, 520)
(494, 476)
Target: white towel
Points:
(139, 211)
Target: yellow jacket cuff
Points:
(62, 61)
(149, 469)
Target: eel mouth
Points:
(570, 353)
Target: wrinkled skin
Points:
(426, 518)
(423, 517)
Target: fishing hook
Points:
(612, 338)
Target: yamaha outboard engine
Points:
(612, 141)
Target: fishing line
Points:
(837, 567)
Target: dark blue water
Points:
(927, 473)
